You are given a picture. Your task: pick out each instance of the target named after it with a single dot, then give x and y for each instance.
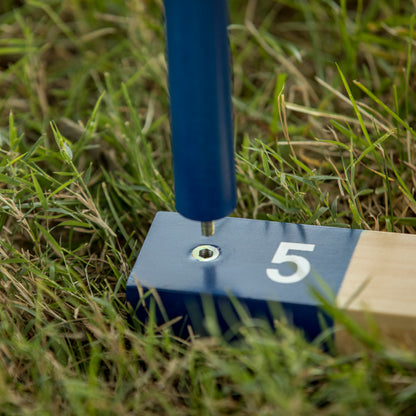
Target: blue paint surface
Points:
(200, 107)
(247, 249)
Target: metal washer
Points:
(211, 252)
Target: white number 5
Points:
(303, 267)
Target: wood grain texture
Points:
(380, 287)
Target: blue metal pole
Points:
(201, 109)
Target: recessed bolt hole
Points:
(206, 253)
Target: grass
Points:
(325, 121)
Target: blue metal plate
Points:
(261, 263)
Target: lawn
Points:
(325, 131)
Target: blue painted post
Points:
(268, 267)
(201, 110)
